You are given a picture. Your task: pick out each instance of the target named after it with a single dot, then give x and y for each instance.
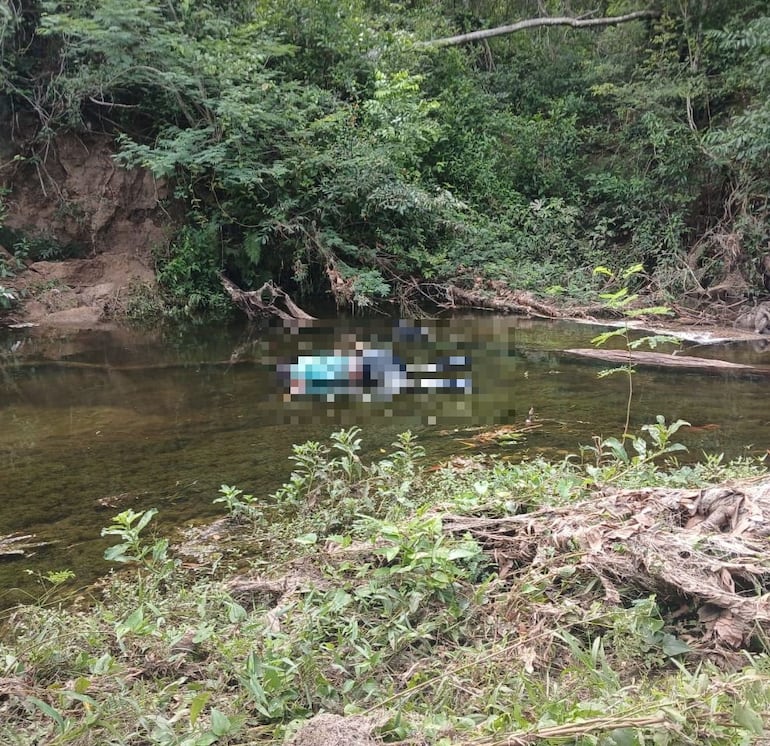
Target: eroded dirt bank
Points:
(85, 230)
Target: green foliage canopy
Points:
(315, 144)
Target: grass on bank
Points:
(344, 593)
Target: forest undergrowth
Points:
(614, 597)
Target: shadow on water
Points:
(91, 424)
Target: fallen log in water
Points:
(269, 300)
(667, 360)
(497, 298)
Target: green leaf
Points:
(117, 553)
(220, 723)
(81, 684)
(640, 446)
(461, 553)
(600, 339)
(78, 697)
(102, 665)
(622, 737)
(46, 709)
(674, 426)
(676, 447)
(389, 553)
(147, 516)
(205, 739)
(675, 715)
(252, 246)
(197, 705)
(672, 645)
(236, 612)
(307, 539)
(617, 449)
(747, 718)
(203, 633)
(615, 297)
(634, 269)
(135, 620)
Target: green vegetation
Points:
(325, 146)
(8, 267)
(624, 301)
(364, 591)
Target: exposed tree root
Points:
(703, 552)
(269, 300)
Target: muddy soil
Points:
(79, 202)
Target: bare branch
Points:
(537, 22)
(112, 104)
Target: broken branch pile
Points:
(496, 296)
(704, 551)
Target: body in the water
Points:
(367, 371)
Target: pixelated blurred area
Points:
(371, 369)
(395, 373)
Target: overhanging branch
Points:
(537, 22)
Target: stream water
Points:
(94, 423)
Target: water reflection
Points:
(93, 423)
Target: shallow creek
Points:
(94, 423)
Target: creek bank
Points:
(399, 606)
(422, 602)
(78, 233)
(699, 548)
(102, 223)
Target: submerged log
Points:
(19, 545)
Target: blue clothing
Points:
(375, 373)
(322, 374)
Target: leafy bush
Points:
(189, 272)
